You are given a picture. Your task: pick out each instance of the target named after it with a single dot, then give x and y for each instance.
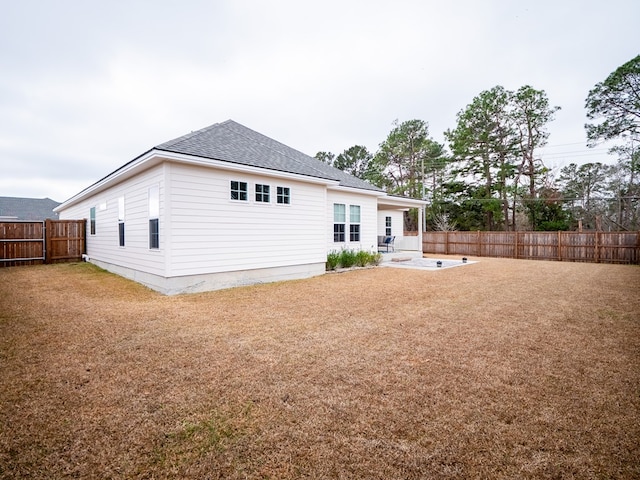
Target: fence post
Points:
(578, 245)
(83, 229)
(559, 246)
(46, 240)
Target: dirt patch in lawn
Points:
(501, 369)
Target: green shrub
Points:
(363, 258)
(333, 260)
(349, 258)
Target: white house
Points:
(226, 206)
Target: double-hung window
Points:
(154, 215)
(283, 195)
(339, 220)
(92, 220)
(387, 226)
(354, 223)
(121, 221)
(262, 193)
(239, 191)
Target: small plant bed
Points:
(348, 259)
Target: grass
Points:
(501, 369)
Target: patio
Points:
(415, 260)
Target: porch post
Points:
(420, 228)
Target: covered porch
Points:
(392, 237)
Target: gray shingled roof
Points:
(36, 209)
(231, 142)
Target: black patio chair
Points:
(388, 242)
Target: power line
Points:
(570, 155)
(564, 145)
(595, 150)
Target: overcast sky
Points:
(86, 86)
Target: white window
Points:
(239, 191)
(283, 195)
(154, 214)
(339, 220)
(354, 223)
(262, 193)
(92, 220)
(121, 221)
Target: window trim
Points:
(121, 237)
(154, 217)
(283, 195)
(339, 222)
(154, 234)
(354, 226)
(92, 221)
(264, 193)
(354, 232)
(242, 195)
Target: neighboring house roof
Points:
(231, 142)
(36, 209)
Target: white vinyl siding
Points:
(202, 230)
(397, 223)
(367, 220)
(211, 233)
(104, 245)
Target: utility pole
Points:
(424, 207)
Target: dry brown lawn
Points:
(501, 369)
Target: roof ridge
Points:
(233, 142)
(271, 140)
(186, 136)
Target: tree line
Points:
(489, 177)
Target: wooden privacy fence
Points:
(598, 247)
(33, 243)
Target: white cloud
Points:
(86, 87)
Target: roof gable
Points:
(231, 142)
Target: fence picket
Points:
(33, 243)
(599, 247)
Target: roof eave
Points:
(239, 167)
(395, 202)
(139, 163)
(364, 191)
(156, 156)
